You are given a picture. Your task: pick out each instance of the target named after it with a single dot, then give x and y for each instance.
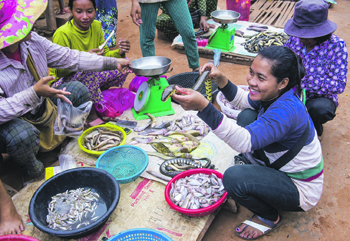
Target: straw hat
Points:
(17, 18)
(310, 20)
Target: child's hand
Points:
(124, 46)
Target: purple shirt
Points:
(326, 66)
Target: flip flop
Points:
(264, 229)
(96, 122)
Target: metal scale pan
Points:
(150, 66)
(225, 16)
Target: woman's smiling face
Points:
(83, 13)
(262, 84)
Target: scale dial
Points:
(142, 97)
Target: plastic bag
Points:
(116, 101)
(66, 162)
(70, 120)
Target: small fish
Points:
(153, 120)
(168, 92)
(160, 147)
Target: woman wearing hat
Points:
(27, 103)
(324, 56)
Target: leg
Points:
(10, 221)
(321, 110)
(79, 93)
(165, 25)
(180, 15)
(21, 140)
(148, 28)
(246, 117)
(263, 191)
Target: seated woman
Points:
(205, 7)
(324, 56)
(83, 33)
(275, 181)
(24, 60)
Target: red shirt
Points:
(15, 56)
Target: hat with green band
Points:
(17, 18)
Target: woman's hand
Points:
(123, 65)
(190, 99)
(124, 46)
(97, 51)
(135, 12)
(215, 73)
(203, 24)
(43, 89)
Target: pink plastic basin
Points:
(15, 237)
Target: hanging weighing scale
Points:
(223, 37)
(148, 95)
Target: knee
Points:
(78, 91)
(246, 117)
(22, 134)
(319, 107)
(233, 179)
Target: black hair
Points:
(70, 5)
(322, 39)
(284, 64)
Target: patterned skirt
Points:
(95, 81)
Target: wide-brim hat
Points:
(17, 18)
(310, 20)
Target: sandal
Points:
(264, 229)
(96, 122)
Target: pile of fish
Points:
(196, 191)
(102, 139)
(265, 39)
(72, 209)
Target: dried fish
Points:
(265, 39)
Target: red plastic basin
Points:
(194, 212)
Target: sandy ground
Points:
(330, 219)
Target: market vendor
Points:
(26, 116)
(180, 15)
(200, 10)
(324, 56)
(84, 33)
(270, 180)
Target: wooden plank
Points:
(274, 13)
(225, 57)
(287, 14)
(207, 224)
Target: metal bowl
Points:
(225, 16)
(150, 66)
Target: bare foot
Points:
(250, 232)
(10, 221)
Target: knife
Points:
(109, 37)
(121, 123)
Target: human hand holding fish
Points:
(215, 74)
(190, 99)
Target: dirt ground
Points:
(330, 219)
